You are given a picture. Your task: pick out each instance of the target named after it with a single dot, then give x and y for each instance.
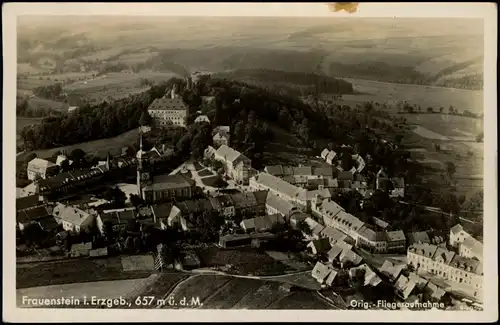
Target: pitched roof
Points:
(303, 170)
(71, 177)
(391, 270)
(371, 235)
(320, 271)
(167, 103)
(32, 214)
(349, 255)
(175, 181)
(348, 220)
(324, 153)
(466, 264)
(331, 277)
(244, 200)
(474, 245)
(27, 202)
(70, 214)
(279, 204)
(420, 282)
(345, 175)
(379, 222)
(426, 250)
(202, 118)
(117, 216)
(456, 229)
(321, 245)
(395, 235)
(322, 171)
(48, 223)
(261, 197)
(280, 185)
(418, 237)
(40, 163)
(229, 154)
(334, 252)
(443, 253)
(225, 200)
(299, 216)
(333, 234)
(275, 170)
(332, 154)
(405, 286)
(162, 210)
(436, 292)
(343, 245)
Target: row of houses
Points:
(334, 216)
(331, 157)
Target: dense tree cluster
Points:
(92, 122)
(53, 91)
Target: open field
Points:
(98, 148)
(448, 125)
(73, 271)
(244, 261)
(424, 96)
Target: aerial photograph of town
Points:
(258, 163)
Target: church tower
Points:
(143, 172)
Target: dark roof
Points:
(118, 217)
(170, 182)
(166, 103)
(32, 214)
(276, 170)
(345, 176)
(162, 210)
(71, 177)
(225, 200)
(48, 223)
(27, 202)
(260, 197)
(323, 171)
(244, 200)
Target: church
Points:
(157, 188)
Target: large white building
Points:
(467, 245)
(447, 265)
(280, 188)
(168, 110)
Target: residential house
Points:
(349, 258)
(434, 292)
(404, 287)
(457, 235)
(72, 218)
(262, 224)
(78, 250)
(373, 241)
(48, 223)
(277, 205)
(224, 205)
(396, 241)
(32, 216)
(117, 219)
(471, 248)
(418, 237)
(167, 111)
(391, 270)
(29, 202)
(237, 166)
(182, 212)
(324, 153)
(297, 217)
(160, 213)
(334, 254)
(420, 283)
(314, 227)
(245, 204)
(324, 274)
(446, 264)
(370, 277)
(167, 187)
(332, 234)
(280, 188)
(41, 168)
(72, 181)
(28, 190)
(319, 246)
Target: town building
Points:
(169, 110)
(168, 187)
(277, 205)
(418, 237)
(319, 246)
(467, 245)
(41, 168)
(447, 265)
(245, 204)
(33, 216)
(280, 188)
(325, 274)
(72, 218)
(29, 202)
(224, 205)
(391, 270)
(116, 220)
(201, 119)
(262, 224)
(396, 241)
(236, 166)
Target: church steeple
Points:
(143, 172)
